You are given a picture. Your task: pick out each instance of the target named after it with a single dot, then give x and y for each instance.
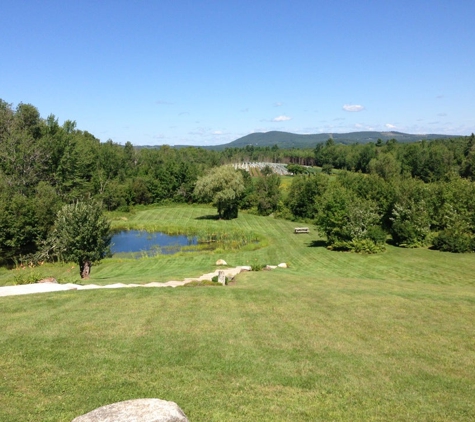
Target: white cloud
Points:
(281, 119)
(278, 104)
(218, 132)
(390, 126)
(353, 107)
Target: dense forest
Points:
(420, 193)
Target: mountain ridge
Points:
(293, 140)
(288, 140)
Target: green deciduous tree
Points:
(304, 194)
(410, 223)
(267, 192)
(223, 186)
(81, 234)
(458, 234)
(385, 166)
(350, 222)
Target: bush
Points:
(24, 276)
(453, 241)
(358, 245)
(377, 235)
(410, 226)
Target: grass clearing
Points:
(337, 336)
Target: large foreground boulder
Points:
(139, 410)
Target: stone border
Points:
(49, 287)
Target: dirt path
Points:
(55, 287)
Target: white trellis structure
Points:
(277, 168)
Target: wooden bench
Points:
(298, 230)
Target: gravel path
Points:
(55, 287)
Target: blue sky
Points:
(208, 72)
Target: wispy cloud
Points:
(353, 107)
(278, 104)
(281, 119)
(360, 126)
(390, 126)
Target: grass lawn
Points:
(338, 336)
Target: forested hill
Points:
(293, 140)
(287, 140)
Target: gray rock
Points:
(139, 410)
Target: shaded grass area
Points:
(337, 336)
(274, 347)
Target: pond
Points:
(139, 243)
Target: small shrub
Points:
(377, 235)
(358, 246)
(257, 267)
(452, 241)
(327, 169)
(24, 276)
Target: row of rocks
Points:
(221, 262)
(49, 285)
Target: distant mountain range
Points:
(287, 140)
(293, 140)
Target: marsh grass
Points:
(207, 237)
(337, 336)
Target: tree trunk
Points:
(85, 269)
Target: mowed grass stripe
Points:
(338, 336)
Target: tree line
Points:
(360, 212)
(428, 161)
(416, 193)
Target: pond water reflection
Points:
(139, 243)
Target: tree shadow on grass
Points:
(208, 217)
(317, 244)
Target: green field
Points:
(336, 337)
